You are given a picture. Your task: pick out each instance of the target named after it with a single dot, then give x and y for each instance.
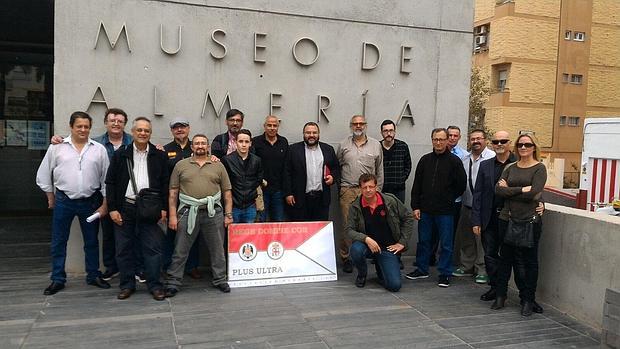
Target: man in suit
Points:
(311, 169)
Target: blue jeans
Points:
(445, 226)
(150, 237)
(274, 207)
(400, 194)
(244, 215)
(65, 209)
(386, 264)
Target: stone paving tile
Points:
(301, 316)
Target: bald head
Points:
(501, 142)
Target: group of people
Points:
(204, 187)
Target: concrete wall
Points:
(579, 257)
(437, 87)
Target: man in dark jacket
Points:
(150, 169)
(226, 143)
(439, 179)
(380, 226)
(272, 148)
(246, 174)
(311, 169)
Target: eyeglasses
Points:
(119, 122)
(235, 121)
(527, 145)
(439, 139)
(500, 141)
(358, 123)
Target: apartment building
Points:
(550, 64)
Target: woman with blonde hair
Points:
(521, 185)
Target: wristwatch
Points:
(228, 214)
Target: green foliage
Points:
(479, 91)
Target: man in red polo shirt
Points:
(380, 226)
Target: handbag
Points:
(148, 201)
(520, 232)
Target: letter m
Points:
(112, 42)
(218, 111)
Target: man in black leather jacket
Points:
(246, 174)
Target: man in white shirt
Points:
(72, 176)
(471, 257)
(150, 170)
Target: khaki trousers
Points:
(471, 250)
(347, 197)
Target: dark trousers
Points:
(523, 260)
(150, 236)
(108, 247)
(399, 193)
(313, 209)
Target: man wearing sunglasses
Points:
(486, 205)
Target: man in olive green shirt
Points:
(200, 185)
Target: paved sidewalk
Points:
(319, 315)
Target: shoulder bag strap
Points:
(133, 180)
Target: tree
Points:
(478, 96)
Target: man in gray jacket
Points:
(380, 226)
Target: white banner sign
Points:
(263, 254)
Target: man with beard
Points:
(272, 149)
(396, 161)
(471, 257)
(357, 154)
(311, 169)
(180, 148)
(226, 143)
(200, 184)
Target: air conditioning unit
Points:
(480, 30)
(481, 40)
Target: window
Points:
(576, 79)
(567, 35)
(562, 120)
(573, 121)
(501, 82)
(565, 77)
(579, 36)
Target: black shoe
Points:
(224, 287)
(488, 296)
(443, 281)
(53, 288)
(125, 293)
(416, 274)
(99, 282)
(109, 275)
(499, 303)
(527, 308)
(171, 292)
(158, 294)
(537, 308)
(347, 266)
(360, 281)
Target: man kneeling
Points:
(380, 227)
